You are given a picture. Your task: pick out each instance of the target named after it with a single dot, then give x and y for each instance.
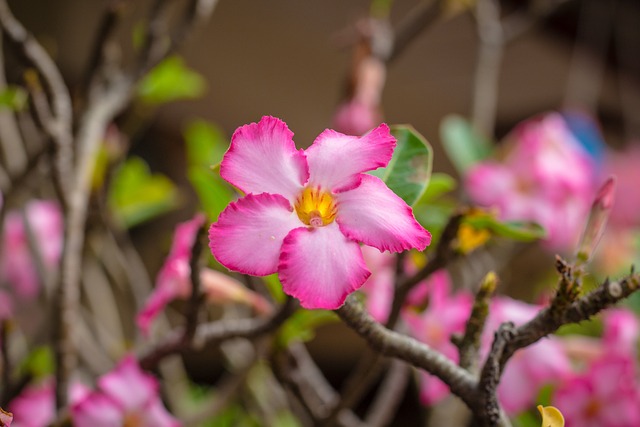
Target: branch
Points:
(393, 344)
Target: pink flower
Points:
(446, 315)
(544, 362)
(5, 418)
(621, 331)
(606, 395)
(305, 212)
(126, 396)
(546, 177)
(174, 279)
(35, 406)
(624, 166)
(17, 265)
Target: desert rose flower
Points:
(127, 396)
(17, 265)
(306, 211)
(547, 176)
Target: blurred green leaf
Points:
(516, 230)
(39, 363)
(302, 325)
(274, 287)
(137, 195)
(206, 144)
(463, 144)
(409, 170)
(439, 184)
(13, 98)
(171, 80)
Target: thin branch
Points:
(215, 332)
(389, 396)
(418, 20)
(469, 344)
(59, 128)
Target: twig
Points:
(486, 81)
(389, 396)
(469, 344)
(59, 128)
(419, 19)
(215, 332)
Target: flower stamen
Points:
(315, 207)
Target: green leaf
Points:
(516, 230)
(463, 144)
(409, 170)
(274, 287)
(39, 363)
(169, 81)
(137, 195)
(13, 98)
(206, 145)
(302, 325)
(439, 184)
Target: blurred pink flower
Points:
(126, 396)
(621, 331)
(17, 265)
(174, 280)
(624, 166)
(35, 406)
(606, 395)
(308, 210)
(445, 315)
(546, 177)
(544, 362)
(5, 418)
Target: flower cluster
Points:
(546, 176)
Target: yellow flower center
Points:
(315, 207)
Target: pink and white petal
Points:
(128, 385)
(262, 158)
(374, 215)
(156, 415)
(35, 406)
(337, 160)
(249, 233)
(97, 410)
(321, 267)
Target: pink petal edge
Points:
(262, 158)
(321, 267)
(249, 233)
(374, 215)
(337, 160)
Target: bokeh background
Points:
(291, 59)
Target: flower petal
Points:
(376, 216)
(320, 266)
(96, 410)
(249, 233)
(262, 158)
(336, 160)
(128, 385)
